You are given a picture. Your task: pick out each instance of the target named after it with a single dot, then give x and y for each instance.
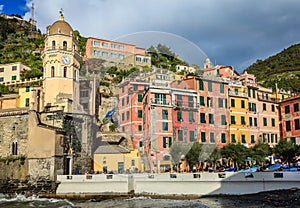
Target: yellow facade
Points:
(113, 162)
(25, 97)
(61, 62)
(239, 117)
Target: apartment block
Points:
(239, 117)
(116, 53)
(131, 94)
(268, 116)
(12, 73)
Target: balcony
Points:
(160, 83)
(237, 94)
(185, 104)
(266, 98)
(163, 102)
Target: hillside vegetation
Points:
(282, 68)
(21, 42)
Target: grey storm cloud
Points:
(229, 32)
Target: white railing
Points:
(20, 82)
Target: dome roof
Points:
(60, 27)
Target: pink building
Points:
(213, 126)
(185, 112)
(116, 53)
(131, 108)
(157, 113)
(220, 71)
(268, 116)
(290, 118)
(158, 122)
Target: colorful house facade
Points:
(290, 118)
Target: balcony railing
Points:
(160, 83)
(186, 104)
(159, 101)
(20, 82)
(239, 94)
(265, 98)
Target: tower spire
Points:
(31, 20)
(32, 12)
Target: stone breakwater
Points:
(11, 187)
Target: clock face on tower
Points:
(66, 59)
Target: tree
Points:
(152, 50)
(5, 90)
(286, 150)
(235, 152)
(260, 151)
(192, 157)
(215, 155)
(33, 73)
(164, 50)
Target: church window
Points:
(65, 45)
(53, 44)
(52, 71)
(65, 71)
(15, 148)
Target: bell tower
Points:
(61, 63)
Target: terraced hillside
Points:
(283, 68)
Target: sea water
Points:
(136, 202)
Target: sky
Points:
(229, 32)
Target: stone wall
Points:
(47, 147)
(13, 128)
(14, 179)
(81, 130)
(13, 169)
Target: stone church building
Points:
(55, 133)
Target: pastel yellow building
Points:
(25, 97)
(239, 117)
(117, 156)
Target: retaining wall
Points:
(179, 184)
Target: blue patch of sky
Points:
(14, 7)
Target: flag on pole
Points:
(110, 113)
